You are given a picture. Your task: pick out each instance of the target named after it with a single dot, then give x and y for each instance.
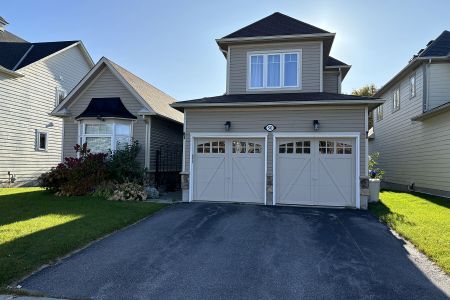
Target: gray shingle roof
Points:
(331, 62)
(439, 47)
(15, 56)
(6, 36)
(275, 24)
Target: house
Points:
(34, 77)
(282, 133)
(111, 106)
(411, 129)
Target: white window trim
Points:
(265, 55)
(82, 135)
(394, 107)
(38, 133)
(379, 113)
(413, 87)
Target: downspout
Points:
(339, 80)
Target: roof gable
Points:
(439, 47)
(6, 36)
(276, 24)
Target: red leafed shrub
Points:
(76, 175)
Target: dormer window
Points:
(274, 70)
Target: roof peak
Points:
(276, 24)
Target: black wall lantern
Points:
(227, 125)
(316, 125)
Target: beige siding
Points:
(439, 89)
(288, 119)
(330, 82)
(103, 86)
(164, 132)
(413, 151)
(310, 67)
(25, 105)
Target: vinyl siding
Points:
(310, 67)
(413, 151)
(439, 89)
(25, 105)
(287, 119)
(330, 82)
(163, 132)
(103, 86)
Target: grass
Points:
(37, 227)
(423, 220)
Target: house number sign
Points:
(270, 127)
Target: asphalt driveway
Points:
(231, 251)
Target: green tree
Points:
(367, 90)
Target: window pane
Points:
(123, 129)
(215, 147)
(221, 147)
(282, 148)
(256, 71)
(207, 148)
(122, 141)
(290, 69)
(273, 70)
(251, 148)
(99, 144)
(42, 141)
(258, 148)
(200, 148)
(98, 128)
(290, 148)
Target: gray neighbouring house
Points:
(412, 128)
(282, 133)
(111, 106)
(34, 78)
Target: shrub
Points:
(152, 192)
(374, 171)
(104, 190)
(123, 165)
(76, 175)
(129, 191)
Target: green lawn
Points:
(421, 219)
(37, 227)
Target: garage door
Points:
(315, 171)
(229, 170)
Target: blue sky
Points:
(171, 44)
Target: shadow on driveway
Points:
(229, 251)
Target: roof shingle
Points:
(439, 47)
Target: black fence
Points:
(168, 166)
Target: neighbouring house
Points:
(412, 128)
(34, 78)
(282, 133)
(111, 106)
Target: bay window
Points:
(274, 70)
(103, 136)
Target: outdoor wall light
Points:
(227, 125)
(316, 125)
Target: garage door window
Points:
(326, 147)
(246, 147)
(211, 147)
(343, 148)
(295, 147)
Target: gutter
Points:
(10, 73)
(274, 37)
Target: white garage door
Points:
(315, 171)
(229, 170)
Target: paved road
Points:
(231, 251)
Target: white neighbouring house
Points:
(34, 78)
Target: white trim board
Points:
(194, 135)
(355, 135)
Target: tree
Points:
(367, 90)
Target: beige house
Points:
(111, 106)
(282, 133)
(34, 78)
(411, 129)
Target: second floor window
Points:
(60, 95)
(412, 85)
(379, 113)
(396, 99)
(274, 70)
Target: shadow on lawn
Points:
(387, 216)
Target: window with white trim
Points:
(412, 85)
(396, 99)
(105, 136)
(60, 94)
(41, 141)
(295, 147)
(211, 147)
(379, 113)
(274, 70)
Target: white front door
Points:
(315, 171)
(229, 169)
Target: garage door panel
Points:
(294, 183)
